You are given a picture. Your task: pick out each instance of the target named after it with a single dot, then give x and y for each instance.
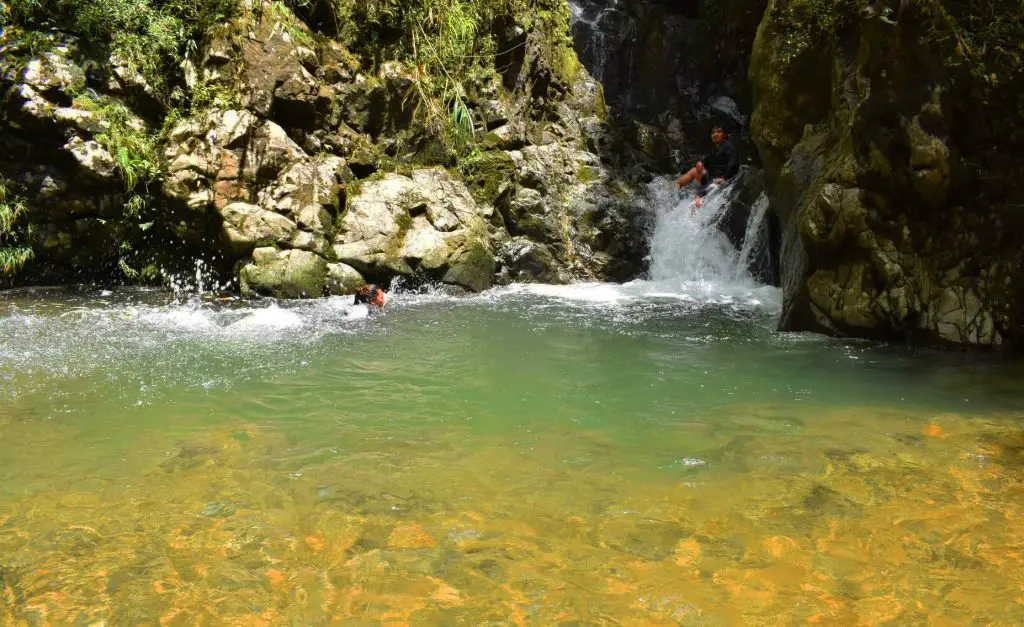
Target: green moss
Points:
(486, 174)
(404, 222)
(565, 63)
(807, 23)
(586, 174)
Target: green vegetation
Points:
(985, 37)
(14, 233)
(126, 138)
(810, 22)
(449, 44)
(153, 36)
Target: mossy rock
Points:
(489, 175)
(284, 274)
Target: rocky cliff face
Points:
(670, 69)
(311, 156)
(892, 140)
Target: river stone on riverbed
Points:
(426, 224)
(630, 532)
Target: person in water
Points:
(371, 296)
(720, 165)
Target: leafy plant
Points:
(126, 139)
(14, 250)
(985, 37)
(153, 36)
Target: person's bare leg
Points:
(688, 178)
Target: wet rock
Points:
(284, 274)
(343, 279)
(217, 509)
(867, 159)
(640, 537)
(824, 501)
(373, 536)
(567, 200)
(525, 261)
(247, 226)
(426, 225)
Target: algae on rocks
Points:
(890, 160)
(268, 131)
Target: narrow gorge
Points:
(297, 149)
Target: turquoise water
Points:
(594, 454)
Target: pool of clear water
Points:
(584, 455)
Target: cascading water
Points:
(755, 240)
(589, 25)
(688, 250)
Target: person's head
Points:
(370, 294)
(718, 134)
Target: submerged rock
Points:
(217, 509)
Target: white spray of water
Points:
(201, 281)
(691, 259)
(689, 252)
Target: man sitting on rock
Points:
(720, 165)
(371, 296)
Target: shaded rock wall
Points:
(895, 169)
(669, 70)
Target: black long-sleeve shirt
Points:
(722, 162)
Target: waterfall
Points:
(755, 240)
(588, 25)
(688, 249)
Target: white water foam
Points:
(692, 262)
(756, 236)
(272, 317)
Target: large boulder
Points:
(265, 59)
(247, 226)
(590, 221)
(889, 175)
(343, 279)
(310, 193)
(226, 156)
(284, 274)
(525, 261)
(426, 224)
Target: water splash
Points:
(688, 249)
(202, 280)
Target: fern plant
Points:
(14, 249)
